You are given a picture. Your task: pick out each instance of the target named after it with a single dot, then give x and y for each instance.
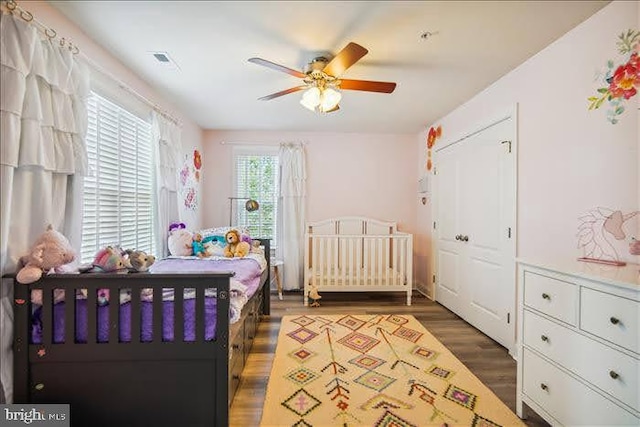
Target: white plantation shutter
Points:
(256, 177)
(118, 192)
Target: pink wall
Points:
(347, 174)
(50, 16)
(570, 159)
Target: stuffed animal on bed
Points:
(109, 259)
(180, 240)
(138, 260)
(49, 253)
(197, 246)
(235, 246)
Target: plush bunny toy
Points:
(49, 253)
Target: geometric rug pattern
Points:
(372, 370)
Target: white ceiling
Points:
(476, 42)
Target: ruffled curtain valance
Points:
(43, 103)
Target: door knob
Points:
(458, 237)
(465, 238)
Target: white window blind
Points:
(256, 177)
(118, 193)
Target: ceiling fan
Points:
(322, 77)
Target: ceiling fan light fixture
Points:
(311, 98)
(329, 99)
(320, 99)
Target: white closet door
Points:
(486, 197)
(475, 211)
(449, 263)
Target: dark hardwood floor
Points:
(490, 362)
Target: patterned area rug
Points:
(373, 370)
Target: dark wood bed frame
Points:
(136, 383)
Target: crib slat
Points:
(379, 251)
(343, 262)
(359, 260)
(387, 264)
(157, 313)
(114, 314)
(92, 309)
(69, 316)
(47, 317)
(322, 266)
(200, 320)
(367, 261)
(403, 262)
(351, 260)
(178, 314)
(135, 316)
(336, 271)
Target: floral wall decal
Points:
(621, 81)
(432, 136)
(190, 179)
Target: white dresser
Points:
(579, 343)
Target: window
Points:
(256, 177)
(118, 197)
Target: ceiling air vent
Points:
(163, 59)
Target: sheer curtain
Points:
(167, 148)
(43, 156)
(291, 212)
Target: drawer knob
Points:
(235, 346)
(39, 386)
(614, 375)
(544, 387)
(614, 320)
(546, 296)
(544, 338)
(236, 377)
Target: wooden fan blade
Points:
(345, 59)
(281, 93)
(367, 85)
(277, 67)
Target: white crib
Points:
(354, 254)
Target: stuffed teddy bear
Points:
(235, 247)
(180, 241)
(138, 260)
(109, 259)
(49, 253)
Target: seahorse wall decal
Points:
(596, 229)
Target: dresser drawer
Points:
(608, 369)
(554, 297)
(610, 317)
(568, 400)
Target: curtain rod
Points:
(266, 144)
(12, 6)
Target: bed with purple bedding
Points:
(119, 356)
(243, 286)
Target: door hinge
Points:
(434, 278)
(507, 142)
(509, 232)
(434, 171)
(434, 225)
(508, 317)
